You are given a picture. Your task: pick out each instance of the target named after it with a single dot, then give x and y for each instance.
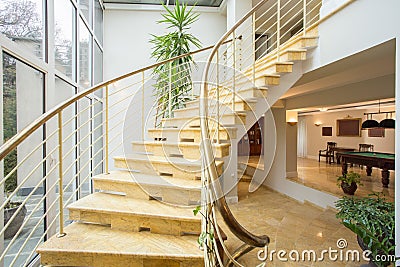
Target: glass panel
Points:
(212, 3)
(86, 8)
(98, 21)
(65, 91)
(22, 22)
(85, 150)
(64, 17)
(98, 65)
(85, 45)
(22, 103)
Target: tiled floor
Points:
(322, 176)
(290, 225)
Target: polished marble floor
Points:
(252, 161)
(322, 176)
(291, 225)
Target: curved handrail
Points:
(17, 139)
(236, 228)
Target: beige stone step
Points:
(241, 105)
(248, 93)
(225, 119)
(276, 68)
(306, 42)
(101, 246)
(158, 165)
(287, 55)
(224, 104)
(190, 134)
(188, 150)
(144, 186)
(129, 214)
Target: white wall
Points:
(126, 48)
(127, 35)
(315, 140)
(361, 25)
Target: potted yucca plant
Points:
(173, 85)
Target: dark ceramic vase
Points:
(349, 189)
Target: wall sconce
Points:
(291, 117)
(317, 123)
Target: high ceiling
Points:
(210, 3)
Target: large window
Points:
(23, 22)
(45, 62)
(64, 37)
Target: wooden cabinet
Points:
(251, 143)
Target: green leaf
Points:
(196, 210)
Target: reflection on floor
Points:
(252, 161)
(322, 176)
(290, 225)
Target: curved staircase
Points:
(142, 214)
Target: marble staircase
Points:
(142, 213)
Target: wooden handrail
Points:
(14, 141)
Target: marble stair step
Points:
(276, 68)
(194, 121)
(129, 214)
(188, 150)
(263, 80)
(176, 167)
(241, 105)
(248, 92)
(189, 134)
(144, 186)
(101, 246)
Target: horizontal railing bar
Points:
(41, 238)
(81, 152)
(26, 220)
(26, 157)
(20, 207)
(24, 180)
(14, 141)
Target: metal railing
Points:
(281, 23)
(59, 152)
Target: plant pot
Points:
(349, 189)
(364, 247)
(14, 226)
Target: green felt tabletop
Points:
(372, 154)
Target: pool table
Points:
(384, 161)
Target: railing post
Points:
(60, 174)
(143, 131)
(304, 17)
(170, 90)
(217, 96)
(278, 29)
(107, 134)
(234, 69)
(254, 46)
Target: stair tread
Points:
(90, 239)
(117, 204)
(237, 100)
(161, 159)
(198, 117)
(189, 129)
(177, 144)
(148, 179)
